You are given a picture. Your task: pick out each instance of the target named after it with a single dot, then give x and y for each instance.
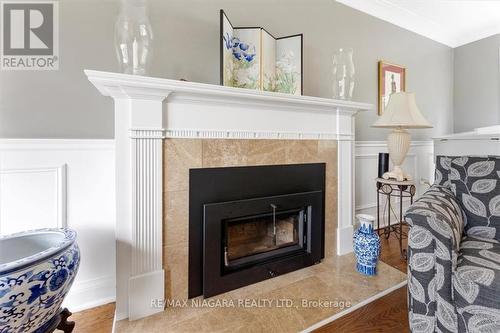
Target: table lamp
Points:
(401, 113)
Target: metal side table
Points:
(400, 190)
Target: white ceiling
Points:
(451, 22)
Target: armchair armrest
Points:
(436, 227)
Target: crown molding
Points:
(390, 11)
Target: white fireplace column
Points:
(139, 138)
(345, 183)
(144, 117)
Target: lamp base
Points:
(398, 143)
(397, 173)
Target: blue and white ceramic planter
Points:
(37, 269)
(366, 243)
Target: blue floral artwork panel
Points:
(240, 61)
(253, 58)
(246, 58)
(227, 41)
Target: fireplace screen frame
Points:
(224, 184)
(218, 279)
(275, 216)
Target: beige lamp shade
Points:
(402, 112)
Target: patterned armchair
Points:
(454, 249)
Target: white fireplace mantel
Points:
(148, 110)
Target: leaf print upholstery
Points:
(443, 164)
(436, 228)
(454, 249)
(477, 282)
(478, 190)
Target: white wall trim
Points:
(56, 144)
(402, 17)
(419, 163)
(60, 189)
(383, 144)
(84, 173)
(408, 18)
(137, 87)
(253, 135)
(91, 293)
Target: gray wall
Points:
(477, 84)
(63, 104)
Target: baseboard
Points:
(354, 308)
(88, 294)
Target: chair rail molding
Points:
(148, 110)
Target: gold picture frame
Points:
(391, 78)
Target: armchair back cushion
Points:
(475, 181)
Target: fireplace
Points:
(165, 127)
(248, 224)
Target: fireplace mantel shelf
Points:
(149, 110)
(198, 110)
(119, 85)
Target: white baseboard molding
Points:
(354, 307)
(88, 294)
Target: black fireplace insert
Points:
(248, 224)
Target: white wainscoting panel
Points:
(58, 183)
(419, 163)
(32, 198)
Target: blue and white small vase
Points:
(366, 243)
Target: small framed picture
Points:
(391, 79)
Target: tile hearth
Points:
(334, 280)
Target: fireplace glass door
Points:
(258, 237)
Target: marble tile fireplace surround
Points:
(165, 129)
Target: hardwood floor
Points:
(387, 314)
(390, 253)
(95, 320)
